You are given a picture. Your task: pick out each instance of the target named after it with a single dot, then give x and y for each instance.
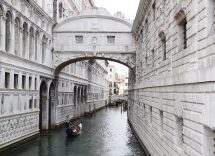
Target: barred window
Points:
(182, 29)
(183, 34)
(111, 39)
(79, 39)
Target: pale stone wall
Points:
(172, 106)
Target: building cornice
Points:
(41, 11)
(141, 12)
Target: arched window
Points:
(182, 29)
(60, 10)
(24, 38)
(31, 43)
(8, 31)
(17, 36)
(44, 40)
(163, 45)
(1, 14)
(36, 44)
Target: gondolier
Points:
(73, 128)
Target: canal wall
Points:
(172, 104)
(75, 112)
(18, 127)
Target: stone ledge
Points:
(18, 143)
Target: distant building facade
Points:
(113, 76)
(122, 83)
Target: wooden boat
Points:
(73, 129)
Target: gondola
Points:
(73, 129)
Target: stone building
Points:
(112, 74)
(172, 104)
(32, 100)
(122, 82)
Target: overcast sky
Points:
(129, 8)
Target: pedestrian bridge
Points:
(118, 97)
(94, 34)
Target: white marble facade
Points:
(28, 99)
(172, 106)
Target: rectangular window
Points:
(35, 103)
(23, 81)
(179, 132)
(30, 82)
(150, 114)
(15, 81)
(7, 79)
(79, 39)
(153, 57)
(110, 92)
(114, 84)
(111, 39)
(35, 84)
(163, 45)
(31, 103)
(161, 121)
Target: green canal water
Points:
(107, 133)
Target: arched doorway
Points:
(43, 107)
(52, 106)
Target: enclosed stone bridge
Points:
(94, 34)
(118, 97)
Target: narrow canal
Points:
(106, 134)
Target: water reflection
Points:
(106, 134)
